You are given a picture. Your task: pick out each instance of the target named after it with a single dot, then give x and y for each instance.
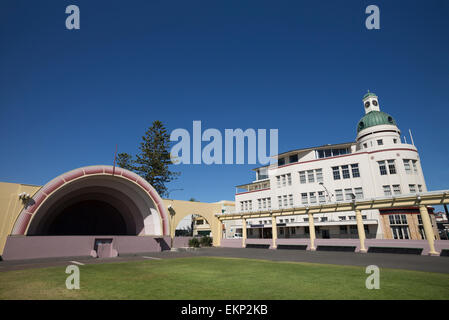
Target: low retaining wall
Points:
(421, 244)
(231, 243)
(34, 247)
(181, 242)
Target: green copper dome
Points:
(375, 118)
(369, 94)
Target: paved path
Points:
(382, 260)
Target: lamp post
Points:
(329, 195)
(172, 216)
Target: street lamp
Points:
(172, 216)
(328, 194)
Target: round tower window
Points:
(375, 102)
(390, 119)
(367, 104)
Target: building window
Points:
(259, 204)
(415, 168)
(280, 201)
(289, 179)
(412, 188)
(399, 226)
(281, 161)
(348, 194)
(312, 197)
(352, 217)
(358, 193)
(304, 199)
(290, 200)
(407, 166)
(345, 172)
(336, 172)
(264, 203)
(293, 158)
(285, 200)
(355, 170)
(419, 188)
(323, 219)
(269, 203)
(342, 218)
(391, 167)
(278, 179)
(302, 177)
(310, 176)
(365, 146)
(319, 175)
(380, 142)
(382, 168)
(283, 180)
(343, 230)
(395, 141)
(339, 194)
(396, 189)
(387, 191)
(353, 229)
(321, 197)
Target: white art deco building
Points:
(376, 164)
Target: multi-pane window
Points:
(345, 172)
(407, 168)
(355, 170)
(387, 191)
(319, 175)
(343, 229)
(348, 194)
(268, 203)
(339, 194)
(290, 200)
(283, 180)
(246, 205)
(415, 168)
(312, 197)
(396, 189)
(342, 218)
(336, 172)
(399, 226)
(321, 197)
(278, 179)
(380, 142)
(391, 167)
(280, 201)
(304, 198)
(412, 188)
(289, 179)
(382, 168)
(419, 188)
(358, 193)
(264, 202)
(302, 177)
(285, 200)
(310, 176)
(259, 204)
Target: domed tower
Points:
(376, 128)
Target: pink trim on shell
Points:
(25, 215)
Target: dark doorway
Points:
(89, 217)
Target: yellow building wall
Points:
(10, 207)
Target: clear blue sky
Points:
(68, 97)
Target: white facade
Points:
(377, 164)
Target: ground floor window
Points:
(400, 232)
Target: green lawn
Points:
(221, 278)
